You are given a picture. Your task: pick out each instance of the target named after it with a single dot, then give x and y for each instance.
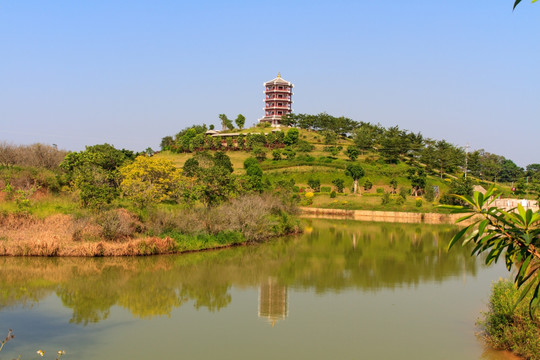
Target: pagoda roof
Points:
(278, 81)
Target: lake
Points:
(342, 289)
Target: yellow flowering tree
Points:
(150, 180)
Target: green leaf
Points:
(516, 4)
(535, 298)
(523, 294)
(458, 236)
(464, 218)
(482, 226)
(520, 278)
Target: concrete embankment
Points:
(381, 216)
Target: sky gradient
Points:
(78, 73)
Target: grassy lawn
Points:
(365, 202)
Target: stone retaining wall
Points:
(382, 216)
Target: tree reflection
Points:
(330, 256)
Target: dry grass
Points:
(64, 235)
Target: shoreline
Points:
(382, 216)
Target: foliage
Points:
(418, 180)
(225, 122)
(429, 194)
(217, 185)
(314, 184)
(276, 154)
(356, 172)
(339, 184)
(368, 185)
(333, 194)
(394, 143)
(352, 152)
(393, 184)
(223, 160)
(418, 202)
(150, 180)
(515, 235)
(289, 153)
(304, 146)
(403, 193)
(508, 327)
(291, 137)
(190, 168)
(333, 150)
(385, 199)
(462, 186)
(259, 154)
(250, 161)
(240, 121)
(94, 173)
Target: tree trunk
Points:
(355, 185)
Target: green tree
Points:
(240, 121)
(356, 172)
(291, 138)
(223, 160)
(166, 143)
(217, 185)
(225, 122)
(191, 167)
(393, 184)
(276, 154)
(339, 184)
(368, 185)
(289, 153)
(94, 173)
(418, 180)
(514, 235)
(314, 184)
(394, 143)
(462, 186)
(352, 152)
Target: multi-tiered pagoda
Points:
(277, 100)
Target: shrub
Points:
(403, 192)
(385, 199)
(259, 154)
(418, 203)
(511, 328)
(304, 146)
(291, 137)
(276, 154)
(326, 189)
(400, 200)
(339, 184)
(117, 224)
(379, 191)
(333, 194)
(315, 184)
(289, 153)
(429, 195)
(368, 185)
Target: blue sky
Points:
(78, 73)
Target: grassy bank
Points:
(57, 230)
(509, 329)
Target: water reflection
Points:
(273, 301)
(330, 256)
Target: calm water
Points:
(341, 290)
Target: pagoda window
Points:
(279, 113)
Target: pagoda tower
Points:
(277, 100)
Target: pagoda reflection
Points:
(273, 301)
